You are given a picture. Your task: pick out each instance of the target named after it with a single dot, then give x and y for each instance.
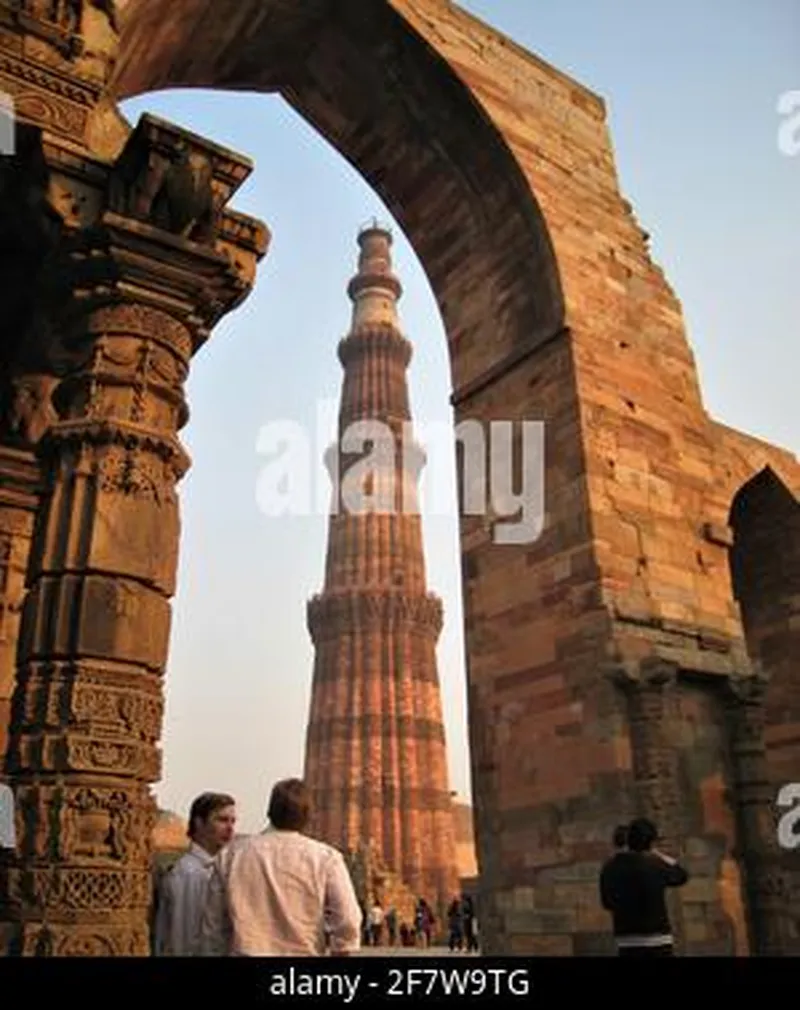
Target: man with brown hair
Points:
(281, 893)
(182, 893)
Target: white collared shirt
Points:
(278, 894)
(182, 899)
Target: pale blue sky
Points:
(692, 90)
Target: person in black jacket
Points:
(632, 887)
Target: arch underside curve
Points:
(399, 114)
(766, 487)
(761, 506)
(765, 578)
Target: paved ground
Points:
(412, 952)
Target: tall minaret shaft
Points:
(375, 748)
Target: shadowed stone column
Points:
(650, 695)
(767, 882)
(29, 232)
(19, 483)
(149, 277)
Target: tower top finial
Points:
(374, 289)
(376, 229)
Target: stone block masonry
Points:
(375, 747)
(662, 592)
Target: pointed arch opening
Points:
(381, 95)
(368, 83)
(765, 574)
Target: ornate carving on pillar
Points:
(88, 701)
(767, 883)
(30, 231)
(55, 59)
(649, 694)
(19, 499)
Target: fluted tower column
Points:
(375, 749)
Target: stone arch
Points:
(740, 459)
(765, 576)
(363, 78)
(455, 127)
(362, 75)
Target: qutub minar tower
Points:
(375, 748)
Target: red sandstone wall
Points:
(627, 539)
(652, 455)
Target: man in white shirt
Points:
(182, 894)
(281, 893)
(375, 924)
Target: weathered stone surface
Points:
(19, 499)
(376, 757)
(118, 305)
(464, 829)
(501, 172)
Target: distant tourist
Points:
(281, 893)
(633, 883)
(182, 891)
(455, 921)
(470, 925)
(424, 921)
(375, 924)
(391, 925)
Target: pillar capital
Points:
(158, 237)
(656, 673)
(748, 689)
(653, 673)
(166, 237)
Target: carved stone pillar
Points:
(650, 697)
(151, 276)
(766, 881)
(19, 481)
(29, 232)
(26, 412)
